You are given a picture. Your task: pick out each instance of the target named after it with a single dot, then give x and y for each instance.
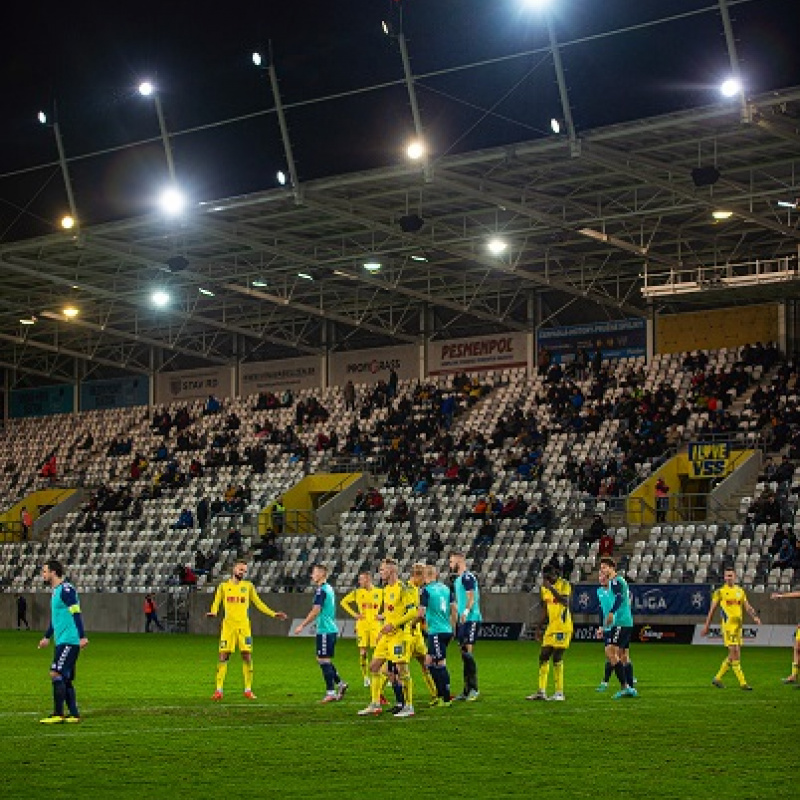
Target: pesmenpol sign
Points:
(191, 383)
(371, 366)
(501, 351)
(275, 376)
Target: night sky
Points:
(88, 58)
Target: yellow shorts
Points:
(797, 634)
(557, 639)
(394, 647)
(417, 646)
(732, 635)
(233, 636)
(367, 633)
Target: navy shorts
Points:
(64, 660)
(619, 636)
(467, 632)
(437, 645)
(326, 644)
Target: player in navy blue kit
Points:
(66, 628)
(468, 622)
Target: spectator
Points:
(606, 545)
(662, 500)
(203, 511)
(374, 500)
(596, 531)
(486, 533)
(349, 396)
(420, 487)
(213, 406)
(567, 566)
(785, 555)
(435, 545)
(22, 612)
(151, 613)
(401, 512)
(49, 469)
(187, 576)
(278, 516)
(234, 540)
(480, 509)
(185, 520)
(26, 521)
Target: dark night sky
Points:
(89, 57)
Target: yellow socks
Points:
(247, 672)
(795, 670)
(737, 671)
(222, 671)
(429, 682)
(544, 672)
(558, 674)
(364, 662)
(726, 665)
(408, 689)
(377, 680)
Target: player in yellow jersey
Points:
(393, 642)
(732, 602)
(418, 649)
(556, 593)
(236, 594)
(364, 604)
(793, 676)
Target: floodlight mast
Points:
(62, 160)
(566, 111)
(412, 98)
(279, 110)
(147, 89)
(736, 73)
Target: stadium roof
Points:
(282, 272)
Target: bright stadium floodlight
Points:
(497, 246)
(160, 298)
(555, 125)
(731, 87)
(258, 59)
(281, 176)
(146, 88)
(70, 312)
(42, 117)
(172, 202)
(415, 150)
(68, 222)
(372, 266)
(720, 215)
(206, 292)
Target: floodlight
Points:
(146, 88)
(67, 222)
(259, 284)
(281, 176)
(415, 150)
(42, 117)
(172, 201)
(258, 60)
(28, 321)
(305, 276)
(721, 214)
(385, 27)
(731, 87)
(70, 312)
(555, 125)
(206, 292)
(497, 246)
(372, 266)
(418, 258)
(160, 298)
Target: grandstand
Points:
(141, 552)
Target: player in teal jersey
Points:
(619, 624)
(324, 612)
(605, 599)
(66, 627)
(437, 608)
(468, 619)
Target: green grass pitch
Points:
(150, 729)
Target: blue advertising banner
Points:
(621, 338)
(42, 401)
(115, 393)
(651, 599)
